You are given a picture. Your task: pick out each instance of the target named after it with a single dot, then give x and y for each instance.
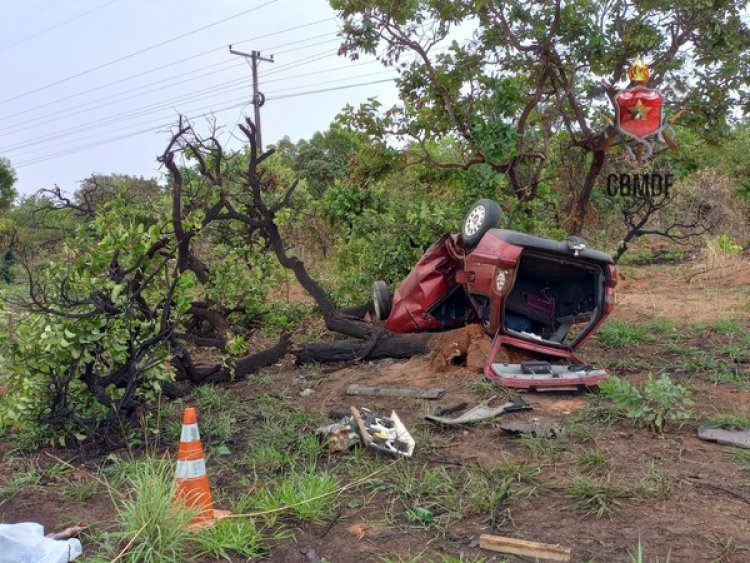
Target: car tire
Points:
(381, 300)
(483, 215)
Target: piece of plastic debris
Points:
(532, 549)
(417, 393)
(422, 514)
(538, 429)
(739, 438)
(306, 392)
(481, 412)
(340, 435)
(385, 434)
(26, 543)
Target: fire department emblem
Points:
(639, 115)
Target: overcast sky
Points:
(70, 107)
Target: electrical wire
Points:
(158, 109)
(57, 116)
(31, 161)
(136, 53)
(56, 26)
(151, 108)
(174, 63)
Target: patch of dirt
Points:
(683, 294)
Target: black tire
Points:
(483, 216)
(381, 300)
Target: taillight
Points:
(609, 299)
(501, 280)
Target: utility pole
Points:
(258, 98)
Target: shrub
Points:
(659, 402)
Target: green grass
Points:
(623, 334)
(734, 419)
(741, 458)
(640, 555)
(310, 494)
(230, 538)
(598, 410)
(148, 517)
(545, 451)
(21, 476)
(727, 327)
(593, 459)
(594, 496)
(655, 483)
(79, 490)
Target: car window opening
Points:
(553, 300)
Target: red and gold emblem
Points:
(639, 114)
(639, 111)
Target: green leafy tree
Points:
(510, 81)
(7, 180)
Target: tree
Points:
(7, 180)
(516, 75)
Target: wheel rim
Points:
(474, 220)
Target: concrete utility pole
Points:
(258, 98)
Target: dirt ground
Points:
(694, 501)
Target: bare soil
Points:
(703, 515)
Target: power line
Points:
(57, 25)
(157, 108)
(115, 98)
(162, 67)
(345, 87)
(136, 53)
(152, 108)
(56, 116)
(193, 117)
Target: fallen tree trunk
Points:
(386, 345)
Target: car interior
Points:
(553, 299)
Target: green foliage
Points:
(725, 245)
(659, 402)
(7, 180)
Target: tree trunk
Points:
(385, 345)
(578, 211)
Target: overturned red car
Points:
(537, 294)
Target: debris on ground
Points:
(420, 514)
(26, 543)
(538, 429)
(515, 546)
(385, 434)
(311, 554)
(340, 435)
(739, 438)
(68, 533)
(306, 392)
(415, 393)
(443, 411)
(481, 412)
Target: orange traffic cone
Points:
(192, 488)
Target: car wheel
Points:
(483, 215)
(381, 300)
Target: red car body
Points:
(528, 292)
